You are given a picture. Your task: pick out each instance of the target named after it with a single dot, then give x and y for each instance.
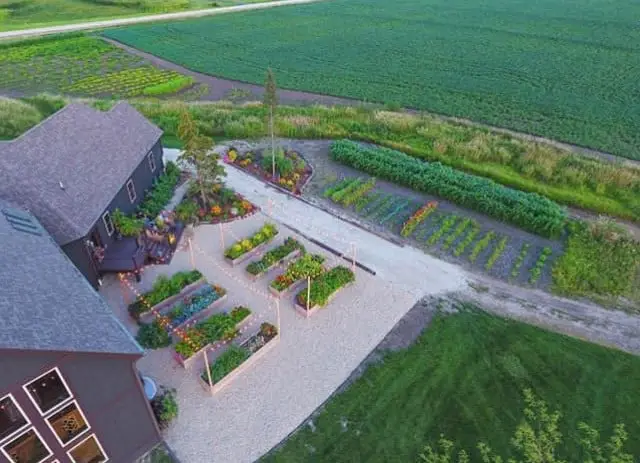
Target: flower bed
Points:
(323, 289)
(309, 265)
(292, 171)
(223, 205)
(243, 249)
(290, 249)
(417, 218)
(236, 359)
(164, 292)
(218, 327)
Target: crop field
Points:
(80, 65)
(464, 377)
(449, 232)
(564, 70)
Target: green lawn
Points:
(464, 378)
(566, 69)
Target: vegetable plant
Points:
(471, 235)
(417, 218)
(445, 226)
(536, 270)
(481, 245)
(323, 286)
(515, 270)
(273, 256)
(462, 226)
(241, 247)
(497, 252)
(309, 265)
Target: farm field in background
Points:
(39, 13)
(563, 70)
(84, 66)
(464, 377)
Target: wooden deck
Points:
(126, 256)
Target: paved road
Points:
(142, 19)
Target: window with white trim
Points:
(27, 447)
(88, 451)
(68, 423)
(108, 223)
(12, 418)
(48, 391)
(131, 190)
(152, 161)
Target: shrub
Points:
(16, 118)
(284, 165)
(187, 211)
(153, 336)
(161, 192)
(323, 286)
(527, 210)
(165, 407)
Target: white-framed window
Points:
(108, 223)
(49, 391)
(131, 190)
(89, 450)
(28, 446)
(68, 423)
(12, 418)
(152, 161)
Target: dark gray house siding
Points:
(107, 390)
(143, 180)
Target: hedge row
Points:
(529, 211)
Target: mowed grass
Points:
(77, 65)
(565, 70)
(464, 378)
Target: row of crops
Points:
(444, 233)
(529, 211)
(79, 65)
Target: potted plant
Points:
(125, 225)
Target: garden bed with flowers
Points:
(292, 171)
(323, 289)
(289, 250)
(296, 274)
(243, 249)
(216, 328)
(236, 359)
(165, 291)
(222, 205)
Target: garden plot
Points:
(444, 230)
(82, 65)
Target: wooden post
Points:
(277, 313)
(206, 365)
(353, 260)
(221, 236)
(193, 261)
(308, 293)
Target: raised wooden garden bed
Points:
(245, 248)
(255, 347)
(324, 289)
(295, 285)
(287, 251)
(297, 272)
(214, 307)
(193, 334)
(149, 315)
(288, 258)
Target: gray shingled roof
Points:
(45, 302)
(91, 152)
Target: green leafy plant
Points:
(524, 250)
(187, 211)
(163, 288)
(153, 336)
(497, 252)
(241, 247)
(170, 86)
(323, 286)
(161, 192)
(529, 211)
(536, 271)
(228, 361)
(364, 200)
(466, 241)
(481, 245)
(127, 226)
(275, 255)
(309, 265)
(462, 226)
(445, 226)
(284, 165)
(165, 407)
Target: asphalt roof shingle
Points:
(68, 169)
(45, 302)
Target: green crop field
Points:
(563, 69)
(464, 377)
(81, 65)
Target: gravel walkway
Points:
(314, 356)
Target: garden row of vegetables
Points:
(529, 211)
